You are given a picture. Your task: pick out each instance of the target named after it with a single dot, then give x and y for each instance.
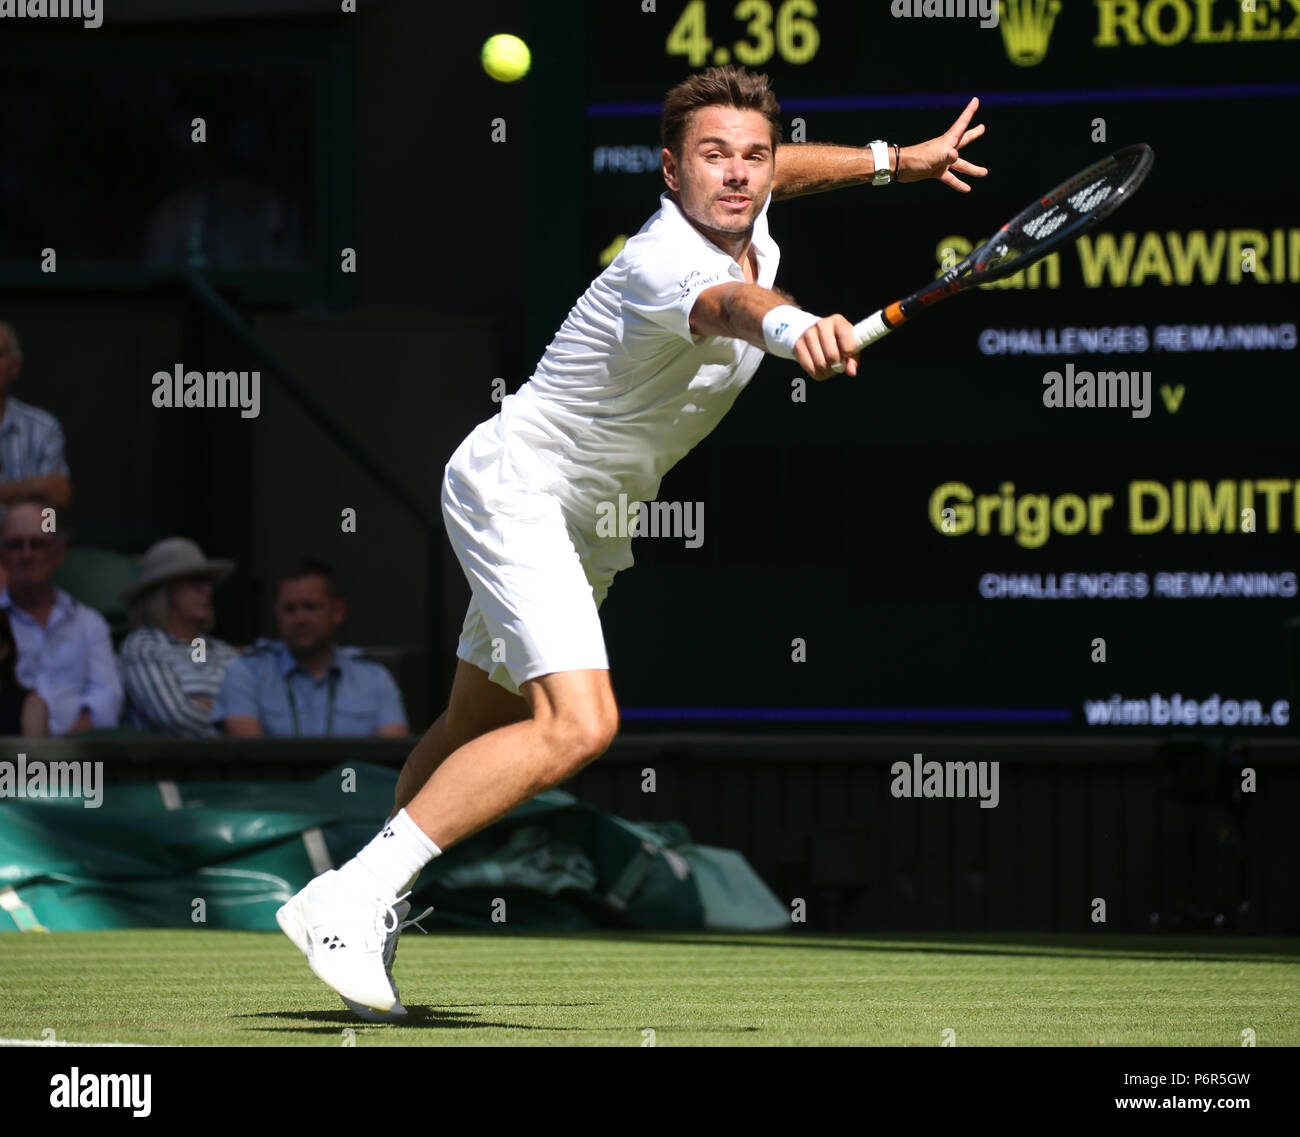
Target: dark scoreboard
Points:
(936, 543)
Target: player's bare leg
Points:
(346, 919)
(574, 719)
(476, 706)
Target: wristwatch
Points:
(880, 157)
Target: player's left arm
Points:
(810, 167)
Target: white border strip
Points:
(59, 1042)
(23, 917)
(317, 851)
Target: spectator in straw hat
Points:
(65, 650)
(171, 668)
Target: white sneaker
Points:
(345, 934)
(402, 909)
(289, 918)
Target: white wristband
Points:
(783, 327)
(880, 159)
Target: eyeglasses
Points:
(18, 544)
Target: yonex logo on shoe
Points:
(332, 942)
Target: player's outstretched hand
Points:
(828, 342)
(939, 158)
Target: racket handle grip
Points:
(867, 332)
(871, 329)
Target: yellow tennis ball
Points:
(506, 58)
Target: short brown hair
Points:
(728, 86)
(309, 567)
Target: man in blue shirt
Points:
(65, 650)
(303, 683)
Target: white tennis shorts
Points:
(537, 580)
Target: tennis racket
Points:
(1064, 214)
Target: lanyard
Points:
(293, 705)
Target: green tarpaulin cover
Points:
(227, 854)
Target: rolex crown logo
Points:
(1026, 29)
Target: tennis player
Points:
(646, 364)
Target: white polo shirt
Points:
(625, 391)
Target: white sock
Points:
(410, 884)
(393, 859)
